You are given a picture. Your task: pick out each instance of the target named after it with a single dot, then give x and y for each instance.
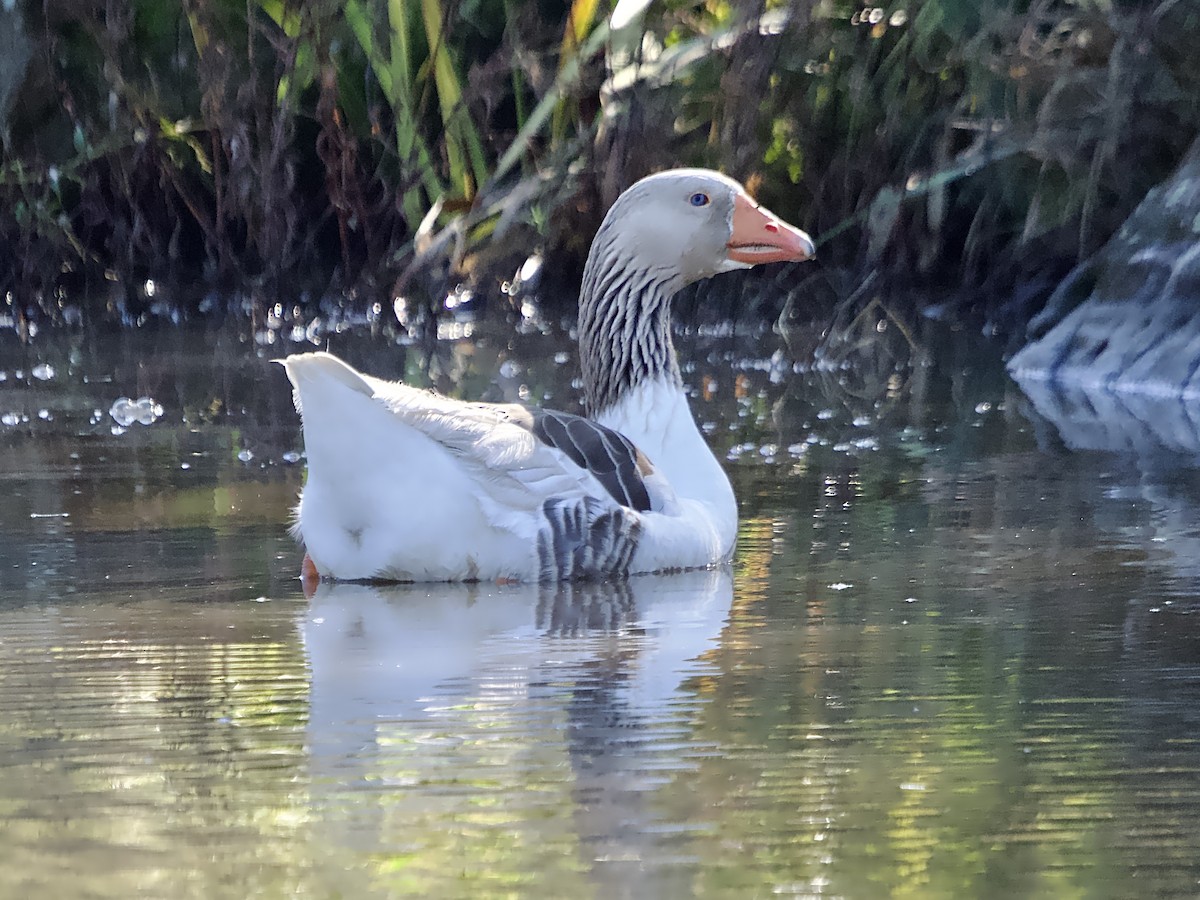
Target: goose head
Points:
(666, 231)
(697, 223)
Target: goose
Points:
(404, 484)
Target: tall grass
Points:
(251, 145)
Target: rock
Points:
(1128, 319)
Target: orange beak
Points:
(759, 236)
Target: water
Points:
(958, 654)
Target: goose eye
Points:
(699, 199)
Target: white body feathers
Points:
(406, 485)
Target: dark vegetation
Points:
(251, 152)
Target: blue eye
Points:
(698, 199)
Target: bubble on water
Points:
(245, 456)
(312, 333)
(42, 372)
(291, 457)
(122, 411)
(10, 418)
(739, 450)
(144, 410)
(148, 410)
(530, 269)
(119, 430)
(45, 415)
(457, 297)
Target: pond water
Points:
(958, 654)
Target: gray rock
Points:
(1128, 319)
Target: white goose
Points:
(407, 485)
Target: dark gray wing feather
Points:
(585, 538)
(610, 456)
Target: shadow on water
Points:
(957, 654)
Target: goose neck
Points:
(624, 327)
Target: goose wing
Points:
(608, 455)
(521, 456)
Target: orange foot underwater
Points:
(309, 577)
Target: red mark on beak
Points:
(759, 236)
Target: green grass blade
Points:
(468, 168)
(566, 78)
(579, 22)
(393, 74)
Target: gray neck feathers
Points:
(624, 323)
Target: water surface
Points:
(957, 654)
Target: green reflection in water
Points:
(953, 660)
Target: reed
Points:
(231, 143)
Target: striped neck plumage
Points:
(624, 326)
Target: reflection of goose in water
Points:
(420, 691)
